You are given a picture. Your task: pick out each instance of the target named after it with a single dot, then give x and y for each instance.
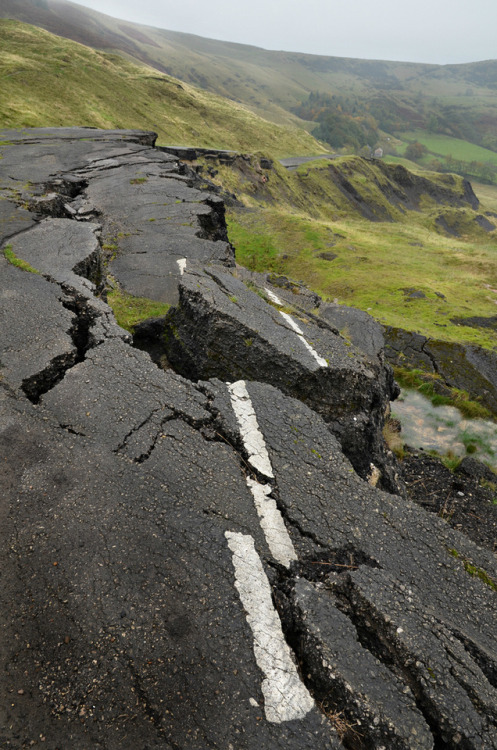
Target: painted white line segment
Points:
(285, 696)
(273, 297)
(321, 362)
(252, 437)
(182, 265)
(272, 523)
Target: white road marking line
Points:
(285, 696)
(272, 523)
(321, 362)
(182, 265)
(252, 437)
(272, 296)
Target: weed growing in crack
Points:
(430, 385)
(473, 570)
(451, 461)
(492, 486)
(343, 727)
(393, 438)
(130, 310)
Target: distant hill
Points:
(454, 100)
(49, 80)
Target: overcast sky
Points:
(430, 31)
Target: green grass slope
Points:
(370, 234)
(49, 80)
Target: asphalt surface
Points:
(189, 561)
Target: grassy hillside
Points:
(400, 264)
(459, 101)
(49, 80)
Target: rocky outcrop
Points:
(194, 563)
(407, 189)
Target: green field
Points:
(445, 145)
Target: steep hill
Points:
(50, 80)
(457, 100)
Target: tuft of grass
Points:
(18, 262)
(138, 180)
(129, 310)
(451, 461)
(474, 443)
(492, 486)
(394, 440)
(473, 570)
(257, 289)
(469, 407)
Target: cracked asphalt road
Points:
(145, 600)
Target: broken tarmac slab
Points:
(66, 251)
(453, 683)
(149, 212)
(343, 526)
(32, 356)
(112, 506)
(153, 218)
(68, 254)
(38, 155)
(222, 328)
(380, 709)
(356, 326)
(13, 219)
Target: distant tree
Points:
(436, 165)
(342, 121)
(433, 123)
(415, 151)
